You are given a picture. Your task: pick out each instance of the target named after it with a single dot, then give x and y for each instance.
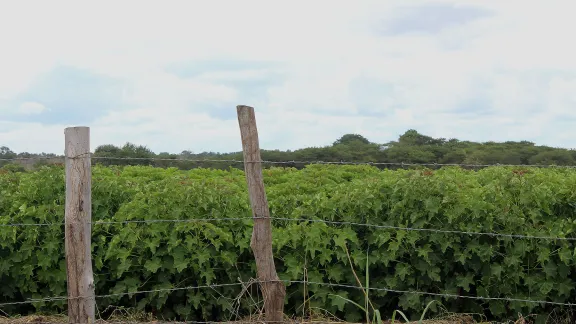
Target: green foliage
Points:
(12, 167)
(6, 153)
(552, 158)
(129, 150)
(134, 257)
(351, 139)
(411, 147)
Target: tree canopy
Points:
(411, 147)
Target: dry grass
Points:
(63, 319)
(143, 318)
(122, 315)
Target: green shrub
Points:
(129, 257)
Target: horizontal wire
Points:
(446, 295)
(519, 236)
(435, 294)
(173, 220)
(30, 224)
(196, 220)
(32, 158)
(297, 162)
(61, 298)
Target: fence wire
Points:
(299, 162)
(333, 285)
(61, 298)
(391, 227)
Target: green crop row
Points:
(129, 257)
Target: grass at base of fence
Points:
(139, 317)
(39, 319)
(123, 315)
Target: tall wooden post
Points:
(78, 214)
(273, 289)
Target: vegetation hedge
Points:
(130, 257)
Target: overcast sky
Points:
(169, 75)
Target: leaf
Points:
(423, 251)
(546, 287)
(340, 299)
(153, 264)
(550, 269)
(565, 255)
(180, 259)
(402, 270)
(465, 281)
(496, 270)
(195, 298)
(543, 254)
(183, 310)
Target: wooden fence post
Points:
(272, 288)
(78, 214)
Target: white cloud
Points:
(516, 60)
(33, 137)
(161, 89)
(31, 108)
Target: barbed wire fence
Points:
(296, 162)
(84, 161)
(305, 282)
(313, 220)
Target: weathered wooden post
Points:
(272, 288)
(78, 214)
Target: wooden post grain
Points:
(273, 289)
(78, 214)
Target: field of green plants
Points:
(131, 256)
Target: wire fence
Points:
(296, 162)
(326, 284)
(305, 282)
(312, 220)
(327, 222)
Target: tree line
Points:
(411, 147)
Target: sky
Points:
(170, 74)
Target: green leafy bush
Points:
(129, 257)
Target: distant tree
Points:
(13, 167)
(186, 154)
(138, 152)
(107, 150)
(410, 147)
(351, 139)
(456, 156)
(555, 157)
(412, 137)
(7, 153)
(407, 154)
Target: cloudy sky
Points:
(170, 74)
